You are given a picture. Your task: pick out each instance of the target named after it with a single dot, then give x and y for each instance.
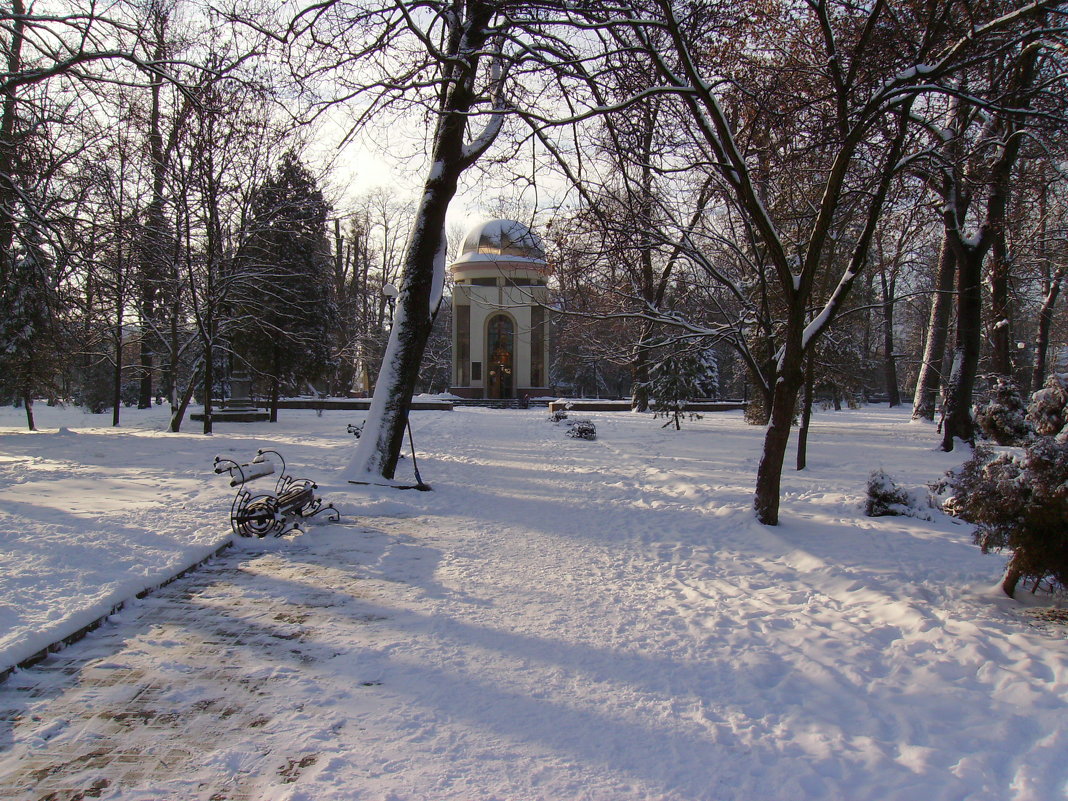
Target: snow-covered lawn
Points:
(566, 619)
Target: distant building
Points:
(500, 340)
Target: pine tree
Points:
(290, 316)
(674, 381)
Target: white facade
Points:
(500, 341)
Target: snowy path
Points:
(568, 620)
(191, 693)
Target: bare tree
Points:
(861, 82)
(455, 64)
(805, 119)
(230, 147)
(1004, 126)
(1052, 264)
(369, 244)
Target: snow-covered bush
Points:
(582, 429)
(886, 498)
(756, 410)
(974, 489)
(1019, 501)
(1003, 418)
(1047, 411)
(558, 415)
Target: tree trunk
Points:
(1012, 577)
(152, 251)
(639, 399)
(9, 192)
(640, 396)
(275, 384)
(209, 380)
(424, 259)
(172, 370)
(27, 402)
(789, 379)
(970, 255)
(1000, 310)
(958, 422)
(930, 377)
(890, 368)
(640, 370)
(806, 413)
(412, 322)
(179, 412)
(1045, 323)
(116, 376)
(144, 395)
(776, 440)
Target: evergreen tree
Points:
(676, 379)
(27, 324)
(287, 333)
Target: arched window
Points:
(500, 356)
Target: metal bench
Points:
(257, 514)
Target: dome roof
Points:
(497, 238)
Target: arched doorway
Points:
(500, 356)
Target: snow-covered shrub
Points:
(558, 415)
(981, 486)
(582, 429)
(1019, 501)
(1003, 418)
(1047, 411)
(886, 498)
(756, 410)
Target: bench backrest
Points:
(243, 473)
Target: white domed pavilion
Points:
(500, 340)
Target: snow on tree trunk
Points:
(379, 446)
(1045, 323)
(423, 278)
(930, 377)
(380, 443)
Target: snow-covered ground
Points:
(558, 619)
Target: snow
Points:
(241, 473)
(559, 619)
(494, 258)
(437, 287)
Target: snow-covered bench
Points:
(582, 429)
(259, 514)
